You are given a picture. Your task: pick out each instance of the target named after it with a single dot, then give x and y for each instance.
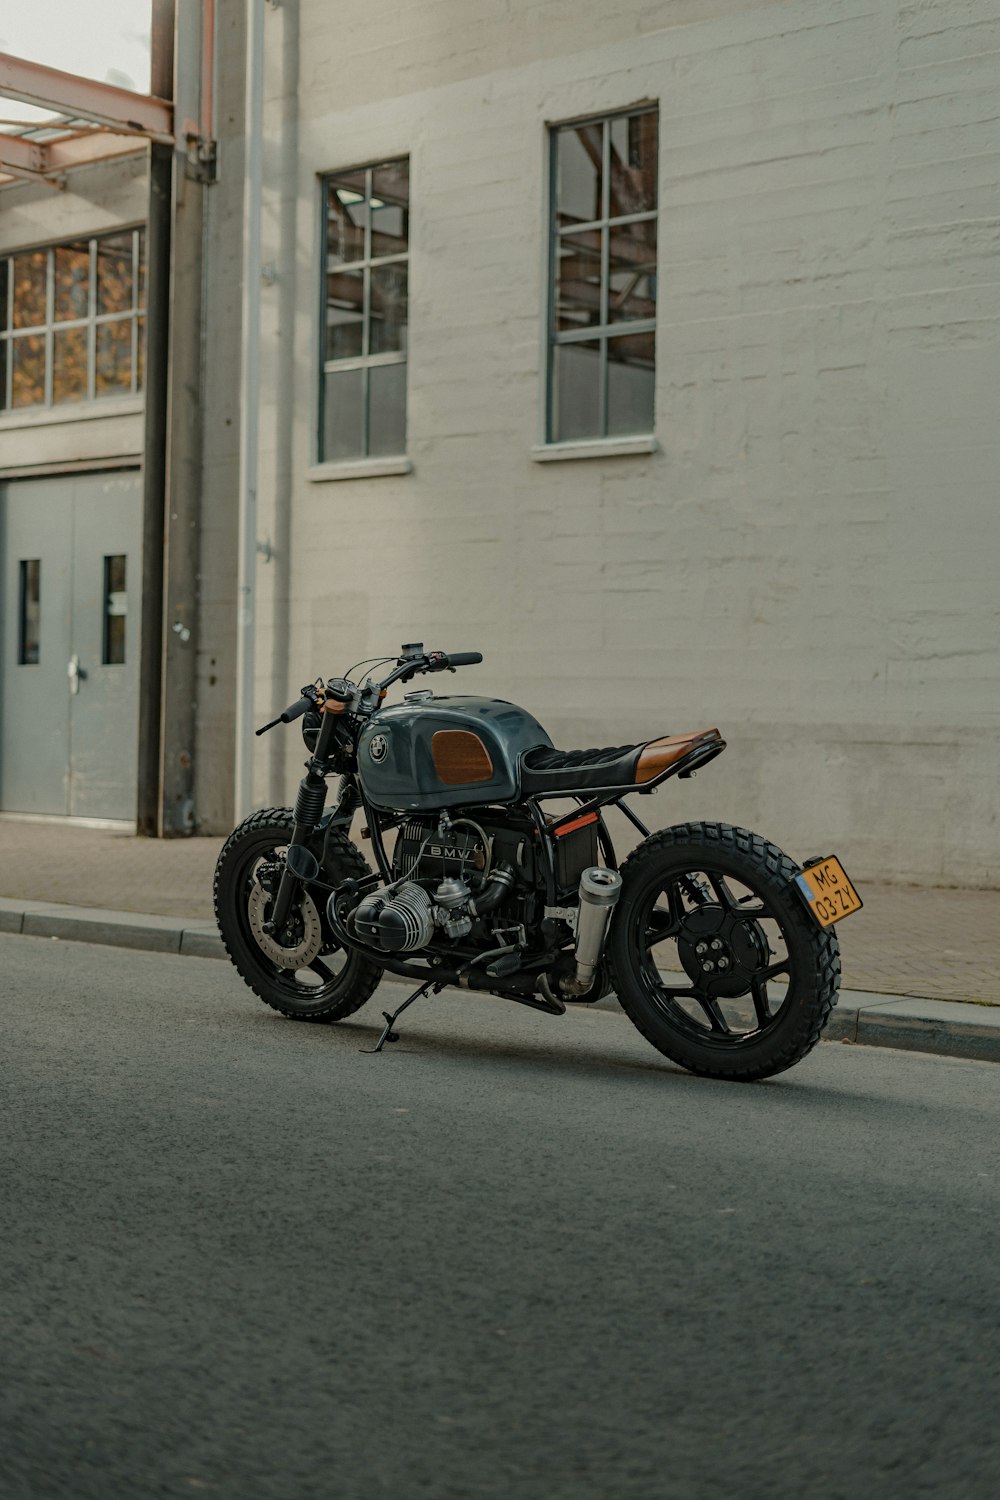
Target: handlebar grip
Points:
(296, 710)
(464, 658)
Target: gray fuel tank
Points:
(445, 752)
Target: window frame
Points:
(9, 335)
(365, 461)
(604, 330)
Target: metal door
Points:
(69, 645)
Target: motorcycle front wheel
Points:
(714, 957)
(305, 975)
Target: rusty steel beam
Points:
(26, 158)
(48, 161)
(120, 110)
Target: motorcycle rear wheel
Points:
(333, 984)
(714, 957)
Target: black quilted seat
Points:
(549, 772)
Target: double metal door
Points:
(70, 568)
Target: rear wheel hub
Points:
(721, 951)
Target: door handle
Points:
(75, 673)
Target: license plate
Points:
(828, 893)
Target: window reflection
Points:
(29, 612)
(114, 273)
(345, 226)
(632, 271)
(604, 288)
(71, 281)
(30, 274)
(70, 324)
(630, 384)
(388, 309)
(345, 303)
(115, 611)
(366, 309)
(579, 174)
(113, 359)
(69, 364)
(27, 373)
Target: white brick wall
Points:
(810, 560)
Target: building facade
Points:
(652, 350)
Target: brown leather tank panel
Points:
(460, 757)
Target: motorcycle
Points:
(718, 946)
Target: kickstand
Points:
(388, 1035)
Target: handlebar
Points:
(463, 658)
(414, 660)
(295, 711)
(412, 663)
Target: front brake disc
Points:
(302, 953)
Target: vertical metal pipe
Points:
(249, 405)
(207, 111)
(157, 365)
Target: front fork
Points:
(301, 863)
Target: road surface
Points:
(513, 1256)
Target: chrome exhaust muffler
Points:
(599, 892)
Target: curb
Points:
(951, 1028)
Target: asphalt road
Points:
(512, 1257)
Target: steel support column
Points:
(158, 250)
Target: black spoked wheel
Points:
(714, 957)
(302, 972)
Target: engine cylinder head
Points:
(400, 924)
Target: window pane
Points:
(632, 272)
(387, 332)
(27, 384)
(69, 364)
(578, 280)
(343, 431)
(578, 174)
(390, 208)
(576, 391)
(630, 384)
(29, 272)
(71, 276)
(113, 366)
(4, 282)
(633, 164)
(387, 410)
(345, 302)
(114, 273)
(346, 207)
(29, 612)
(115, 610)
(142, 269)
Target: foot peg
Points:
(500, 968)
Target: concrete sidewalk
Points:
(921, 967)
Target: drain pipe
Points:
(249, 408)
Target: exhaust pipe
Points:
(599, 892)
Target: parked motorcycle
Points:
(719, 947)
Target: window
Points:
(366, 245)
(71, 321)
(115, 611)
(29, 612)
(602, 296)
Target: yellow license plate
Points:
(829, 894)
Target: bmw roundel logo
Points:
(378, 747)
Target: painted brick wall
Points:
(810, 558)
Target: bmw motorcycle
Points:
(495, 870)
